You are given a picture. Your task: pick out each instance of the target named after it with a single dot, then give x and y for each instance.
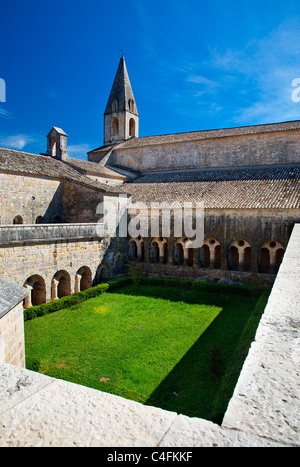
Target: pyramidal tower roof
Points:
(121, 90)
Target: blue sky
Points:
(193, 65)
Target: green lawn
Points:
(162, 346)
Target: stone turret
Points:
(121, 118)
(57, 144)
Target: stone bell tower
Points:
(57, 144)
(121, 118)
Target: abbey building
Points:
(246, 177)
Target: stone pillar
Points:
(212, 257)
(161, 252)
(146, 250)
(27, 299)
(241, 252)
(272, 253)
(185, 256)
(54, 285)
(77, 283)
(170, 251)
(196, 253)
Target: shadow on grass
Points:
(194, 383)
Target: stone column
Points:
(241, 252)
(196, 253)
(27, 299)
(77, 283)
(212, 257)
(170, 251)
(54, 285)
(185, 256)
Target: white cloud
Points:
(5, 114)
(198, 79)
(266, 69)
(16, 141)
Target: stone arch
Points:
(60, 285)
(137, 249)
(39, 220)
(37, 291)
(270, 256)
(18, 220)
(159, 250)
(83, 279)
(183, 253)
(119, 262)
(239, 255)
(132, 127)
(102, 273)
(131, 105)
(115, 126)
(210, 253)
(53, 146)
(114, 106)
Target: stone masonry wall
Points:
(12, 345)
(29, 197)
(21, 261)
(274, 148)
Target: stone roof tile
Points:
(210, 134)
(43, 166)
(268, 188)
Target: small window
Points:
(114, 106)
(18, 220)
(39, 220)
(131, 105)
(53, 148)
(131, 127)
(115, 126)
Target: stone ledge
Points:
(39, 411)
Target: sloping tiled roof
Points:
(11, 294)
(93, 168)
(13, 161)
(266, 188)
(209, 134)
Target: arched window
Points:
(233, 258)
(115, 126)
(61, 285)
(18, 220)
(114, 106)
(53, 146)
(270, 257)
(210, 254)
(131, 105)
(83, 279)
(155, 252)
(39, 220)
(37, 294)
(131, 127)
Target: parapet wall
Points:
(37, 410)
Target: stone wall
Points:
(29, 197)
(196, 273)
(273, 148)
(44, 259)
(12, 346)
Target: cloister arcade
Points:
(237, 256)
(63, 284)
